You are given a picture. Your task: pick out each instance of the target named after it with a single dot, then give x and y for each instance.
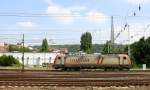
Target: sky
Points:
(64, 21)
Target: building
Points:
(3, 49)
(61, 50)
(34, 58)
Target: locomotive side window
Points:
(125, 61)
(59, 57)
(124, 57)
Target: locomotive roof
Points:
(86, 55)
(96, 55)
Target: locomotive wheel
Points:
(64, 69)
(121, 69)
(127, 69)
(77, 69)
(105, 69)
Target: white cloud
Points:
(138, 1)
(49, 2)
(64, 14)
(78, 8)
(60, 13)
(26, 24)
(72, 13)
(97, 17)
(73, 8)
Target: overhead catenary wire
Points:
(65, 15)
(134, 15)
(27, 14)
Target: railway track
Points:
(77, 82)
(44, 70)
(46, 78)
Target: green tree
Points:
(86, 42)
(140, 52)
(117, 48)
(12, 48)
(8, 61)
(106, 47)
(25, 49)
(44, 47)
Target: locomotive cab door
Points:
(124, 60)
(62, 60)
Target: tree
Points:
(44, 47)
(86, 42)
(140, 52)
(26, 49)
(12, 48)
(117, 48)
(8, 61)
(106, 48)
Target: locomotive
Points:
(91, 61)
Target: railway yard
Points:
(43, 79)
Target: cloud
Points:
(63, 14)
(26, 24)
(78, 8)
(60, 13)
(73, 8)
(70, 14)
(138, 1)
(49, 2)
(97, 17)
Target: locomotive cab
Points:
(116, 61)
(59, 62)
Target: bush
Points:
(8, 61)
